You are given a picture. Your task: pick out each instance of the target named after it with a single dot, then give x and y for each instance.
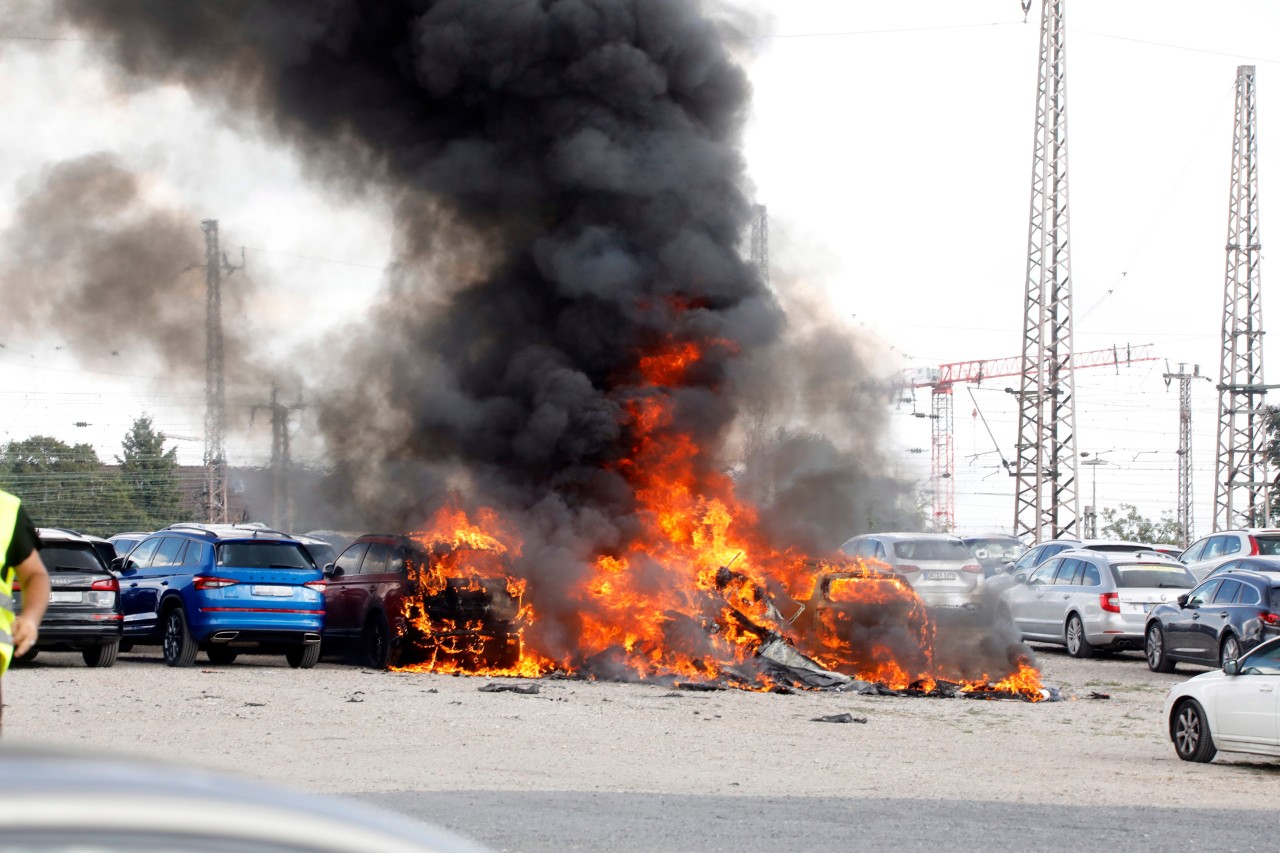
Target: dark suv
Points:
(225, 589)
(399, 600)
(84, 600)
(1221, 619)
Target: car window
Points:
(1091, 576)
(1067, 572)
(1028, 559)
(141, 556)
(170, 551)
(1138, 575)
(932, 549)
(879, 553)
(1232, 545)
(375, 561)
(1269, 545)
(1248, 595)
(349, 562)
(1044, 574)
(1262, 661)
(264, 555)
(1050, 550)
(1213, 548)
(70, 555)
(396, 563)
(1193, 553)
(197, 554)
(1228, 566)
(1204, 593)
(1226, 593)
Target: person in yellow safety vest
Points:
(21, 549)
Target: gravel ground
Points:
(340, 728)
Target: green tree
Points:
(150, 474)
(1126, 523)
(63, 485)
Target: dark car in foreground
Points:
(1223, 617)
(1234, 709)
(84, 600)
(73, 802)
(223, 589)
(397, 599)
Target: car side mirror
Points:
(1020, 577)
(1231, 666)
(117, 563)
(332, 571)
(1184, 601)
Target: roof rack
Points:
(254, 528)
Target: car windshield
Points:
(996, 549)
(931, 549)
(1153, 575)
(70, 557)
(264, 555)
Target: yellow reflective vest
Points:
(8, 521)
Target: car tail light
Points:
(1110, 601)
(1269, 617)
(1253, 547)
(318, 586)
(973, 568)
(203, 582)
(109, 585)
(906, 570)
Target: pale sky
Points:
(892, 144)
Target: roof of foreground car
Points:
(114, 804)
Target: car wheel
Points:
(377, 642)
(1230, 651)
(1077, 645)
(126, 646)
(101, 656)
(179, 648)
(28, 657)
(1157, 655)
(222, 655)
(1190, 731)
(303, 657)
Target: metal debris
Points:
(523, 689)
(838, 718)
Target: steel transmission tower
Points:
(214, 498)
(1186, 517)
(1046, 500)
(760, 242)
(1240, 490)
(281, 492)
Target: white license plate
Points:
(64, 597)
(274, 591)
(940, 576)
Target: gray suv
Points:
(940, 567)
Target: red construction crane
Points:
(944, 378)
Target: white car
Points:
(1234, 709)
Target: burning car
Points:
(414, 600)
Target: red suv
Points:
(398, 600)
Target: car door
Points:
(341, 592)
(1246, 707)
(1183, 636)
(1217, 616)
(139, 617)
(373, 569)
(1031, 618)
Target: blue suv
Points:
(225, 589)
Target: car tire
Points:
(126, 646)
(1229, 650)
(222, 655)
(28, 657)
(101, 656)
(179, 647)
(1077, 644)
(1189, 729)
(303, 657)
(376, 642)
(1156, 654)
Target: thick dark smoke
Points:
(568, 194)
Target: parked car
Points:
(1251, 564)
(62, 800)
(393, 597)
(123, 543)
(84, 613)
(1229, 710)
(321, 552)
(223, 589)
(1093, 600)
(1221, 618)
(1206, 554)
(996, 551)
(940, 567)
(1037, 554)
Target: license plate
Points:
(274, 591)
(940, 576)
(64, 597)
